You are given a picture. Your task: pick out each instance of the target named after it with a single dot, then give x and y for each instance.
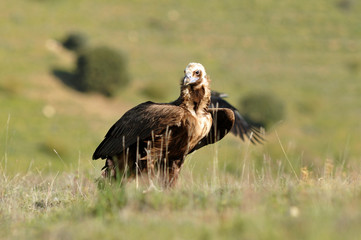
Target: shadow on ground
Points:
(67, 78)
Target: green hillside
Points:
(305, 53)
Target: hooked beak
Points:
(188, 79)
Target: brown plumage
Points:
(241, 127)
(154, 138)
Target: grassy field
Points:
(303, 183)
(258, 206)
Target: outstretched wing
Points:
(139, 122)
(241, 128)
(222, 122)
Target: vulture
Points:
(154, 138)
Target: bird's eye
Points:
(197, 72)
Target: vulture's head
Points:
(194, 75)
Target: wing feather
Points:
(139, 122)
(241, 127)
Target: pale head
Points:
(194, 73)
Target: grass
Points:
(265, 205)
(305, 53)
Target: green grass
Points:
(305, 53)
(261, 206)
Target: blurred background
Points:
(294, 66)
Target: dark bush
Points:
(353, 66)
(262, 109)
(154, 92)
(101, 70)
(345, 5)
(75, 42)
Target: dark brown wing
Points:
(138, 122)
(241, 128)
(222, 123)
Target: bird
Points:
(154, 138)
(241, 127)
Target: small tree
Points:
(102, 70)
(75, 42)
(262, 109)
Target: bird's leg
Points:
(173, 173)
(109, 171)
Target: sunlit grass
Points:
(265, 204)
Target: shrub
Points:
(262, 109)
(101, 70)
(353, 66)
(345, 5)
(75, 42)
(155, 91)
